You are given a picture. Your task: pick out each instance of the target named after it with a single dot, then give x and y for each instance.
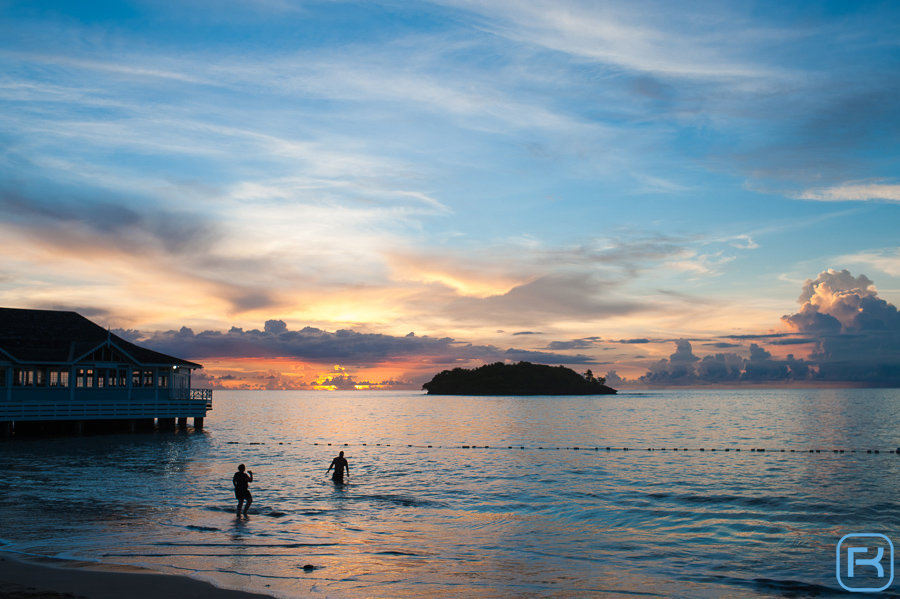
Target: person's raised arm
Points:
(250, 472)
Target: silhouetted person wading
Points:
(339, 464)
(241, 481)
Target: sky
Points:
(362, 194)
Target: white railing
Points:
(204, 395)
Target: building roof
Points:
(52, 336)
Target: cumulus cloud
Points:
(854, 337)
(677, 370)
(857, 334)
(685, 368)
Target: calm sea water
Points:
(444, 521)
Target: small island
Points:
(523, 378)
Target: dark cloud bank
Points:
(853, 337)
(344, 346)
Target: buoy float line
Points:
(598, 448)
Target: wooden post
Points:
(166, 423)
(79, 427)
(182, 422)
(6, 429)
(198, 423)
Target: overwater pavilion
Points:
(60, 372)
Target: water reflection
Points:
(448, 521)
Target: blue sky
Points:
(582, 172)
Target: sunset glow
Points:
(319, 195)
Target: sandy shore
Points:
(46, 578)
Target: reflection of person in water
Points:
(339, 463)
(241, 481)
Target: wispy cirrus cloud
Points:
(621, 34)
(853, 192)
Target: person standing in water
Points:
(339, 464)
(241, 481)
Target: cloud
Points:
(683, 368)
(344, 346)
(857, 334)
(568, 345)
(622, 35)
(722, 345)
(87, 222)
(884, 260)
(679, 369)
(853, 192)
(854, 337)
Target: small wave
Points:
(244, 545)
(261, 511)
(203, 528)
(793, 588)
(219, 508)
(776, 502)
(401, 500)
(782, 588)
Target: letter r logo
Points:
(861, 574)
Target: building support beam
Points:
(198, 423)
(6, 429)
(182, 422)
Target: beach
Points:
(47, 578)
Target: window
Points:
(89, 377)
(23, 377)
(58, 377)
(135, 378)
(101, 377)
(40, 377)
(123, 377)
(2, 377)
(163, 380)
(79, 378)
(148, 378)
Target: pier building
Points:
(60, 372)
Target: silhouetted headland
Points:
(523, 378)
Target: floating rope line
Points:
(611, 449)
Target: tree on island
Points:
(522, 378)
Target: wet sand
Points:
(46, 578)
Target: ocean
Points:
(480, 496)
